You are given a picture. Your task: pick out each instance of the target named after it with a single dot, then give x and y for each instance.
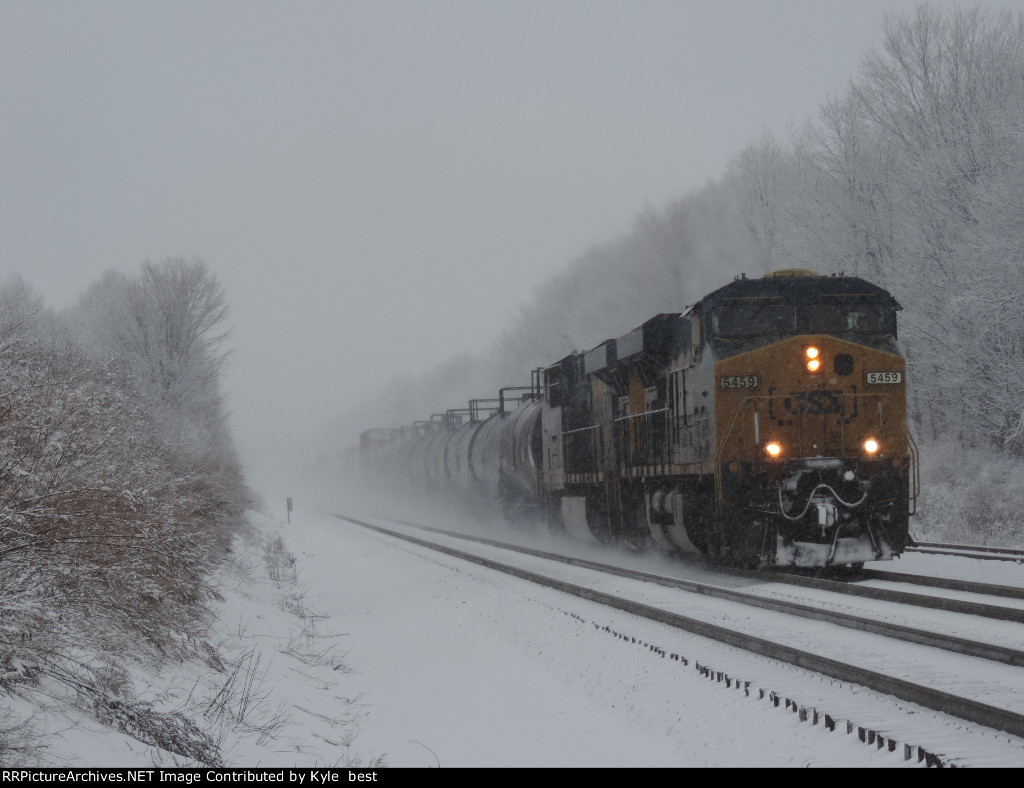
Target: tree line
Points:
(913, 179)
(119, 485)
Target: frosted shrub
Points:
(970, 495)
(108, 530)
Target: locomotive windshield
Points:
(739, 323)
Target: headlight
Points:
(813, 362)
(773, 449)
(871, 446)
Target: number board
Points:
(738, 381)
(884, 377)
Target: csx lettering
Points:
(814, 402)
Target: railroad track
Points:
(989, 715)
(950, 584)
(969, 551)
(1008, 612)
(850, 580)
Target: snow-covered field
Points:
(364, 652)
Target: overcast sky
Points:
(379, 184)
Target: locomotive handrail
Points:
(915, 461)
(641, 415)
(631, 454)
(581, 429)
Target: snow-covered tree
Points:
(913, 180)
(166, 324)
(105, 536)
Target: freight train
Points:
(764, 426)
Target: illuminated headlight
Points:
(871, 446)
(773, 449)
(813, 362)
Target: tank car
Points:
(765, 425)
(485, 456)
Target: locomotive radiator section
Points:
(815, 464)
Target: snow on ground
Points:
(463, 667)
(357, 651)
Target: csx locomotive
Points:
(766, 425)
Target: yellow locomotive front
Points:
(814, 463)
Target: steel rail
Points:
(948, 583)
(781, 575)
(982, 609)
(968, 551)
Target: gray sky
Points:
(379, 184)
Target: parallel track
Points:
(984, 610)
(969, 551)
(1008, 592)
(827, 584)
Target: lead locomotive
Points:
(766, 425)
